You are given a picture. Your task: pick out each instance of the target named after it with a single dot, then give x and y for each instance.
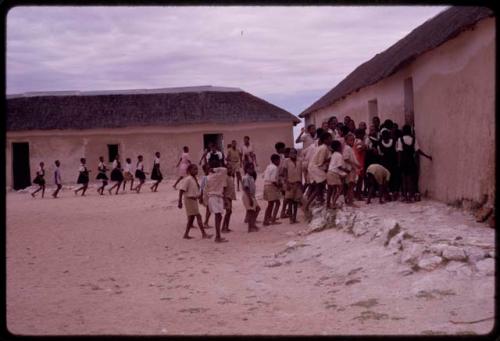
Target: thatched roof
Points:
(136, 108)
(434, 32)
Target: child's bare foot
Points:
(253, 229)
(187, 237)
(275, 222)
(220, 240)
(207, 236)
(32, 194)
(75, 192)
(266, 223)
(110, 192)
(206, 226)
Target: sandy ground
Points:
(118, 265)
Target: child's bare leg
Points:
(218, 220)
(131, 184)
(289, 210)
(188, 227)
(207, 217)
(200, 225)
(84, 189)
(328, 195)
(225, 224)
(311, 198)
(118, 187)
(336, 194)
(293, 211)
(124, 183)
(275, 212)
(267, 214)
(238, 181)
(284, 207)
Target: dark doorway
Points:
(112, 152)
(21, 165)
(216, 139)
(372, 109)
(409, 113)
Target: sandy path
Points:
(118, 265)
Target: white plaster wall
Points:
(70, 145)
(454, 105)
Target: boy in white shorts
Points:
(216, 181)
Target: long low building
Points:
(441, 77)
(70, 125)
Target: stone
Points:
(391, 228)
(395, 242)
(483, 213)
(438, 249)
(475, 254)
(454, 253)
(291, 244)
(359, 230)
(459, 268)
(430, 263)
(412, 252)
(486, 267)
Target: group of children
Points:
(338, 158)
(346, 160)
(119, 175)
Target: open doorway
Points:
(216, 139)
(372, 109)
(408, 102)
(112, 152)
(21, 165)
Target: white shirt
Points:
(115, 164)
(336, 161)
(128, 167)
(348, 154)
(271, 174)
(408, 141)
(82, 168)
(333, 133)
(307, 140)
(156, 161)
(309, 152)
(57, 176)
(140, 166)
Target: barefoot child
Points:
(83, 177)
(101, 175)
(249, 201)
(335, 175)
(57, 179)
(40, 180)
(204, 195)
(233, 158)
(156, 173)
(377, 176)
(191, 191)
(116, 174)
(127, 174)
(292, 171)
(183, 164)
(229, 196)
(216, 181)
(140, 174)
(359, 149)
(352, 165)
(281, 181)
(272, 191)
(318, 165)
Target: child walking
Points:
(116, 175)
(216, 181)
(40, 180)
(335, 175)
(229, 196)
(57, 179)
(292, 171)
(182, 165)
(156, 173)
(233, 158)
(101, 175)
(140, 174)
(249, 201)
(127, 174)
(190, 189)
(83, 177)
(272, 191)
(204, 195)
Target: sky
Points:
(289, 56)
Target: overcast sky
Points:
(290, 56)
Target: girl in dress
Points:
(127, 174)
(156, 173)
(140, 174)
(389, 159)
(83, 177)
(39, 180)
(182, 165)
(101, 175)
(116, 174)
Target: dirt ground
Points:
(118, 265)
